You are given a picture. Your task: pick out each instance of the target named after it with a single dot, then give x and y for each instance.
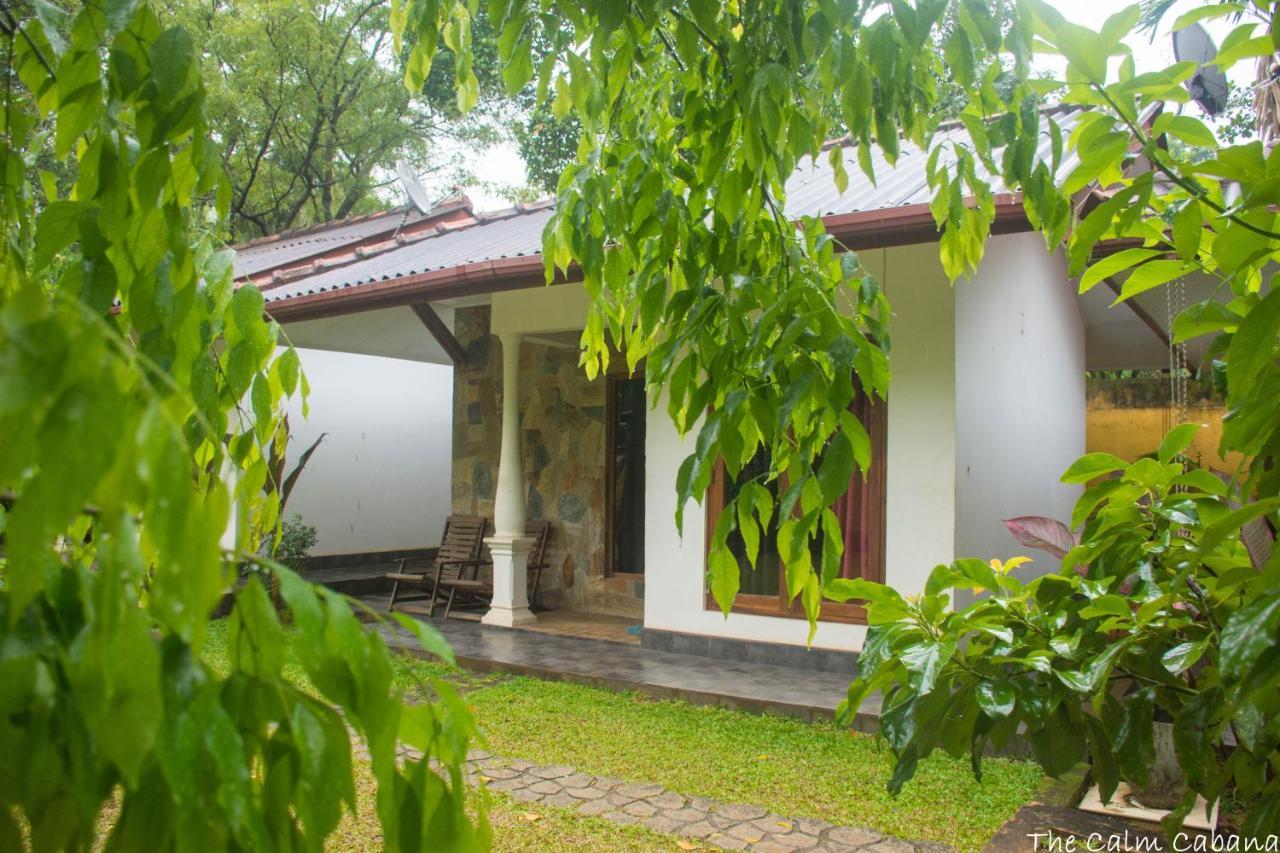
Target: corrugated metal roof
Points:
(516, 234)
(269, 253)
(811, 191)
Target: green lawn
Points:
(790, 767)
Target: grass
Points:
(792, 768)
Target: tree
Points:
(308, 105)
(141, 402)
(694, 114)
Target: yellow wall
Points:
(1130, 433)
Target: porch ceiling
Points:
(1135, 336)
(390, 332)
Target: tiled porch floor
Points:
(665, 675)
(561, 623)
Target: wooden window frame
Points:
(876, 420)
(617, 371)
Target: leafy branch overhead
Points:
(756, 330)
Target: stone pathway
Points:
(729, 826)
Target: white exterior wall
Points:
(920, 471)
(1020, 395)
(381, 478)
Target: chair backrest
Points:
(541, 533)
(463, 535)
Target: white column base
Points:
(510, 606)
(507, 617)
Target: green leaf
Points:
(1093, 465)
(1253, 346)
(57, 227)
(1215, 10)
(428, 636)
(996, 698)
(1152, 274)
(1247, 635)
(1084, 49)
(836, 470)
(1105, 770)
(1186, 128)
(1176, 441)
(1135, 737)
(724, 577)
(1108, 605)
(1183, 656)
(172, 62)
(1112, 264)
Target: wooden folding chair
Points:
(479, 591)
(458, 554)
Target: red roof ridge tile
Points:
(459, 201)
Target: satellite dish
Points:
(413, 187)
(1208, 87)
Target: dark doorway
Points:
(625, 484)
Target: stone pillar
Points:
(509, 545)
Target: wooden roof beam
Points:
(456, 352)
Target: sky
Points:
(502, 165)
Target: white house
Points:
(985, 409)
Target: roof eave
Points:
(870, 229)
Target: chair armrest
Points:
(476, 562)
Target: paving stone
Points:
(698, 829)
(726, 842)
(546, 787)
(668, 800)
(931, 847)
(595, 808)
(587, 793)
(479, 755)
(850, 837)
(772, 823)
(663, 822)
(561, 800)
(507, 784)
(796, 841)
(620, 817)
(702, 804)
(519, 764)
(685, 815)
(809, 826)
(745, 831)
(498, 773)
(720, 822)
(525, 795)
(618, 800)
(739, 811)
(577, 780)
(607, 783)
(640, 809)
(892, 845)
(772, 845)
(555, 771)
(639, 791)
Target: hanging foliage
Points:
(141, 403)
